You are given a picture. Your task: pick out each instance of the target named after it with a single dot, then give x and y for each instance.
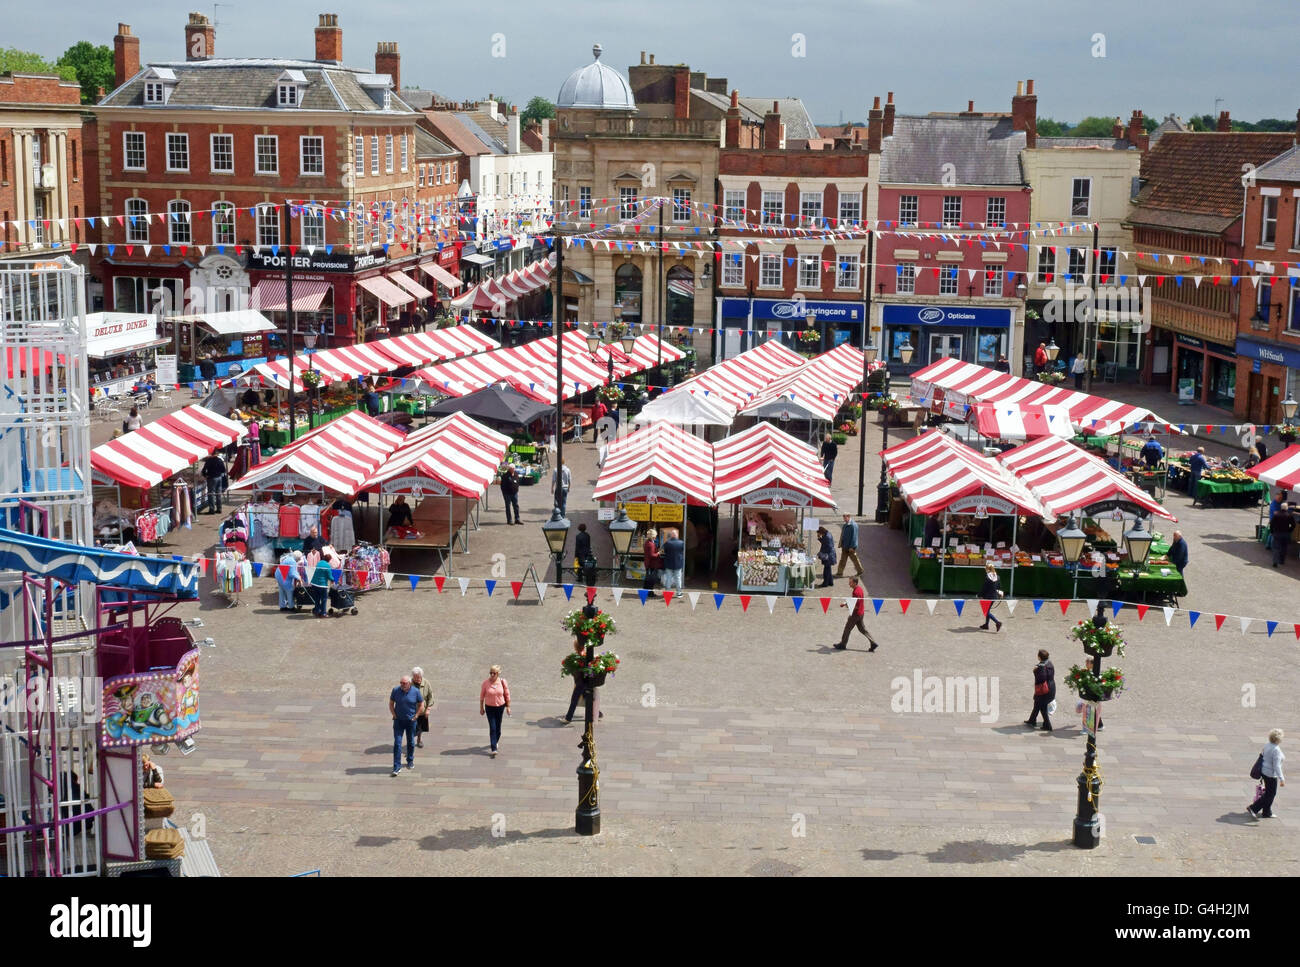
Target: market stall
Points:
(121, 348)
(775, 484)
(814, 391)
(737, 379)
(1220, 485)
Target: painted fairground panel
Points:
(157, 705)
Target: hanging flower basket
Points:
(1287, 434)
(1103, 641)
(1051, 378)
(600, 666)
(310, 379)
(1095, 688)
(590, 629)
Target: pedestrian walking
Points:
(1044, 690)
(1280, 527)
(510, 494)
(291, 570)
(991, 592)
(1270, 766)
(830, 450)
(494, 702)
(426, 693)
(825, 554)
(406, 705)
(214, 470)
(849, 546)
(653, 562)
(320, 586)
(581, 549)
(1178, 552)
(1077, 369)
(1262, 449)
(856, 615)
(565, 477)
(674, 555)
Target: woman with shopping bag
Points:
(1044, 691)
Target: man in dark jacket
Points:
(1280, 526)
(214, 472)
(1197, 465)
(830, 450)
(510, 494)
(1178, 552)
(674, 560)
(582, 545)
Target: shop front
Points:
(325, 297)
(121, 348)
(975, 334)
(745, 323)
(1268, 372)
(1204, 372)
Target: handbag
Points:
(1257, 770)
(1260, 789)
(1043, 687)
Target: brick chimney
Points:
(1024, 112)
(732, 124)
(126, 55)
(773, 129)
(1297, 127)
(681, 92)
(970, 110)
(389, 61)
(875, 127)
(1225, 122)
(1117, 129)
(1137, 135)
(200, 38)
(329, 38)
(888, 129)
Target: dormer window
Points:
(155, 92)
(289, 89)
(388, 100)
(158, 85)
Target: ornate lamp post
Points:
(587, 815)
(868, 357)
(1098, 643)
(1072, 540)
(882, 488)
(1138, 543)
(556, 531)
(621, 532)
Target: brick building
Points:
(1190, 207)
(196, 159)
(42, 190)
(1268, 312)
(799, 206)
(950, 290)
(437, 177)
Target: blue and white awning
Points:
(73, 563)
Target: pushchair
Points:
(302, 597)
(342, 602)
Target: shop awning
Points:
(339, 456)
(269, 295)
(385, 291)
(1066, 478)
(404, 281)
(73, 564)
(440, 275)
(1280, 470)
(766, 466)
(662, 462)
(457, 452)
(1012, 421)
(236, 322)
(478, 259)
(117, 333)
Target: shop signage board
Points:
(290, 484)
(110, 333)
(416, 486)
(783, 309)
(638, 512)
(318, 261)
(652, 494)
(166, 366)
(981, 505)
(159, 705)
(1281, 355)
(668, 513)
(986, 317)
(776, 497)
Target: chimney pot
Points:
(875, 105)
(652, 58)
(1029, 86)
(200, 38)
(126, 55)
(970, 107)
(735, 98)
(643, 57)
(1020, 88)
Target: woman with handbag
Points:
(825, 554)
(1044, 690)
(653, 560)
(494, 702)
(1269, 766)
(990, 592)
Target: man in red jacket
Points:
(855, 616)
(1040, 358)
(597, 414)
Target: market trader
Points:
(1197, 465)
(1152, 453)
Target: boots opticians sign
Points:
(320, 261)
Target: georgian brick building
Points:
(197, 158)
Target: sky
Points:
(1105, 57)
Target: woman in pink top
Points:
(494, 701)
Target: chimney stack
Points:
(1117, 129)
(681, 92)
(773, 129)
(1297, 127)
(1225, 122)
(512, 133)
(329, 39)
(652, 58)
(875, 127)
(126, 55)
(1024, 113)
(200, 38)
(731, 125)
(643, 58)
(389, 61)
(1137, 135)
(888, 130)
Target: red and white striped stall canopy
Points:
(161, 449)
(764, 466)
(485, 297)
(1014, 421)
(1066, 478)
(339, 456)
(1280, 470)
(658, 463)
(643, 355)
(538, 382)
(965, 384)
(738, 379)
(818, 388)
(421, 348)
(458, 454)
(471, 373)
(934, 472)
(276, 372)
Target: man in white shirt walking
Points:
(1078, 368)
(565, 477)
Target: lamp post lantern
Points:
(556, 531)
(1053, 350)
(621, 532)
(1138, 543)
(1072, 540)
(1289, 406)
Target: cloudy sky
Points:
(1161, 56)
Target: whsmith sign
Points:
(319, 261)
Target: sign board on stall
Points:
(667, 513)
(981, 505)
(290, 484)
(1186, 391)
(776, 498)
(638, 512)
(159, 705)
(605, 513)
(811, 523)
(652, 494)
(166, 365)
(418, 487)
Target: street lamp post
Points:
(1072, 540)
(882, 488)
(868, 357)
(587, 815)
(556, 531)
(1087, 818)
(313, 391)
(621, 532)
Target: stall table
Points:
(1045, 581)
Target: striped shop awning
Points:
(404, 281)
(385, 291)
(440, 275)
(269, 295)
